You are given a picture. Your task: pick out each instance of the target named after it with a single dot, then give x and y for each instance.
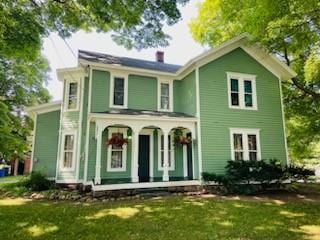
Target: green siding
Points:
(92, 152)
(217, 117)
(185, 94)
(100, 91)
(84, 127)
(142, 92)
(46, 143)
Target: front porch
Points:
(150, 155)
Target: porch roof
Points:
(136, 112)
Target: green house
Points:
(126, 123)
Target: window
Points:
(118, 92)
(242, 91)
(117, 154)
(165, 95)
(72, 96)
(68, 154)
(245, 144)
(161, 152)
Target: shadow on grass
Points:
(168, 218)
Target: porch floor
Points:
(106, 181)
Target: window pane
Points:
(238, 156)
(118, 93)
(234, 99)
(67, 161)
(165, 89)
(247, 86)
(72, 98)
(234, 85)
(252, 142)
(119, 135)
(116, 159)
(73, 87)
(68, 143)
(164, 102)
(253, 156)
(237, 142)
(248, 100)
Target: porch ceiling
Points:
(136, 112)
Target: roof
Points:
(127, 62)
(269, 61)
(135, 112)
(43, 108)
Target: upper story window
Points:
(165, 95)
(72, 96)
(118, 88)
(242, 91)
(245, 144)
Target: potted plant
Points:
(117, 140)
(179, 139)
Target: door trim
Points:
(149, 132)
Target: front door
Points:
(189, 159)
(144, 158)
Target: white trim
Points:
(68, 81)
(69, 181)
(44, 108)
(149, 132)
(170, 83)
(244, 132)
(172, 152)
(33, 142)
(241, 77)
(74, 155)
(97, 188)
(124, 150)
(79, 154)
(284, 124)
(199, 149)
(69, 72)
(114, 75)
(146, 118)
(85, 175)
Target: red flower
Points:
(117, 140)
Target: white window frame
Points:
(245, 132)
(172, 152)
(125, 97)
(170, 82)
(124, 150)
(64, 134)
(66, 94)
(241, 77)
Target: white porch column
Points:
(165, 176)
(135, 155)
(97, 179)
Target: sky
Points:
(181, 47)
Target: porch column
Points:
(165, 176)
(97, 179)
(135, 155)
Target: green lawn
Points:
(168, 218)
(10, 179)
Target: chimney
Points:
(160, 56)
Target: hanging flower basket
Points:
(117, 140)
(179, 139)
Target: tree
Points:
(291, 31)
(23, 25)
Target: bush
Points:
(240, 175)
(36, 181)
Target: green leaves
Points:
(290, 30)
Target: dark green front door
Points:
(144, 152)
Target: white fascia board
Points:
(71, 72)
(44, 108)
(141, 117)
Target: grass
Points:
(167, 218)
(10, 179)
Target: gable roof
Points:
(127, 62)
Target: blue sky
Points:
(181, 49)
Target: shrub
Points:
(36, 181)
(241, 174)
